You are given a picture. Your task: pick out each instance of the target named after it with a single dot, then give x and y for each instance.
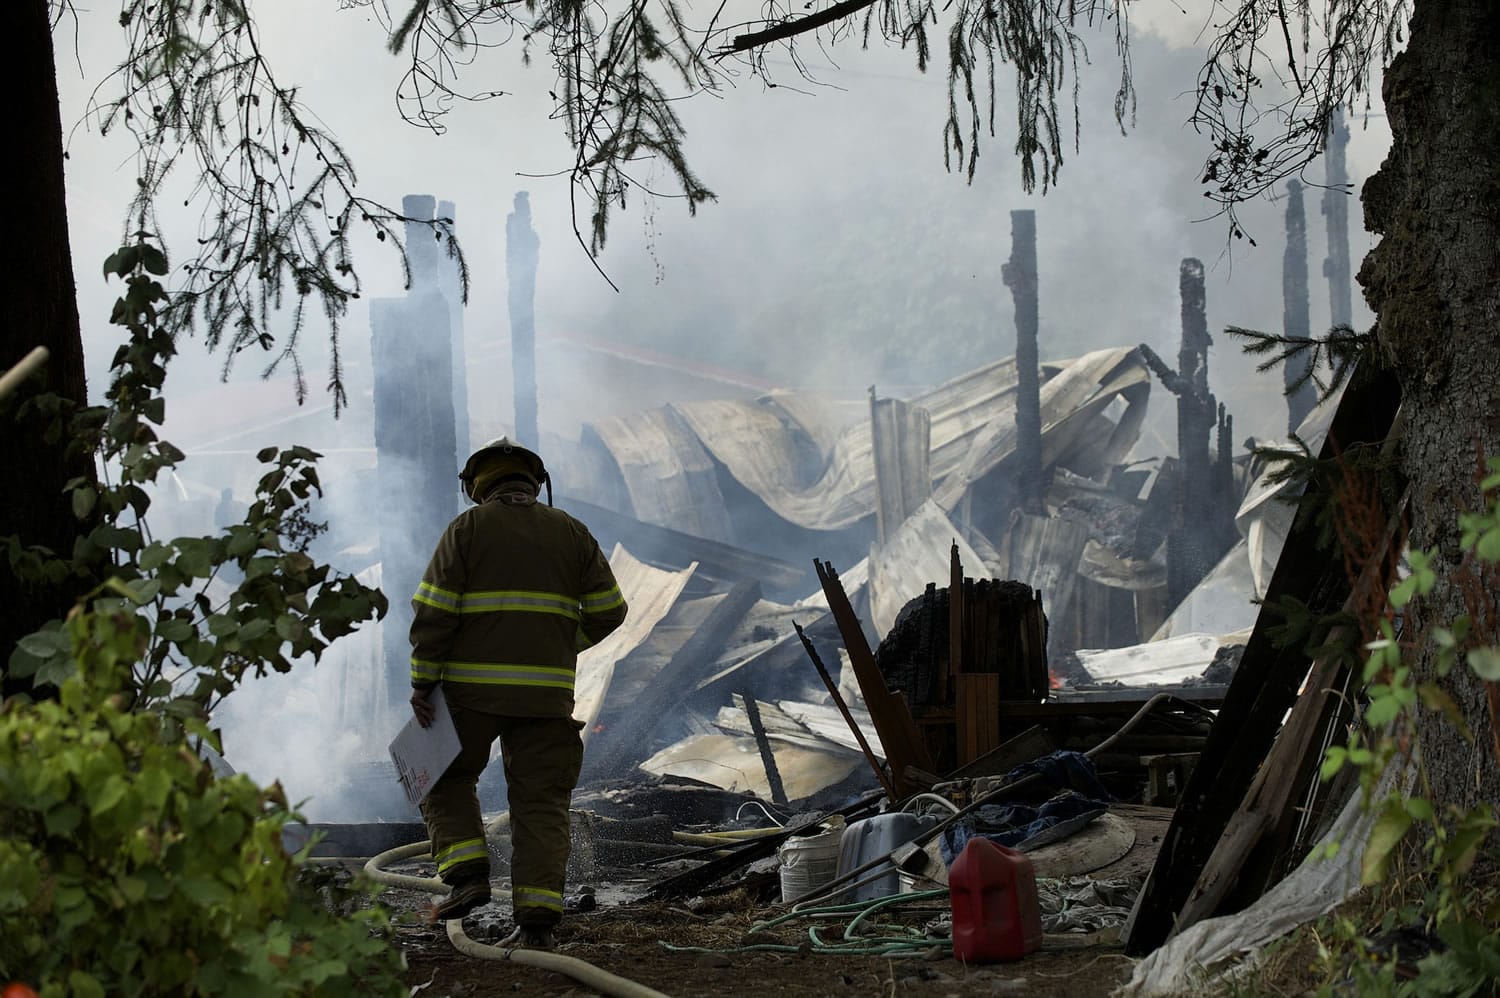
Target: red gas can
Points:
(995, 913)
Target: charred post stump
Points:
(416, 460)
(1203, 518)
(956, 688)
(433, 268)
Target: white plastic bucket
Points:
(810, 861)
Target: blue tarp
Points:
(1012, 824)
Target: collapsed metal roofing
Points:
(786, 450)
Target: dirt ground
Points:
(628, 940)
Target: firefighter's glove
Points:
(422, 707)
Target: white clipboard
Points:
(422, 754)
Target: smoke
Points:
(839, 255)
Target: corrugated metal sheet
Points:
(1070, 400)
(668, 476)
(918, 554)
(650, 593)
(778, 446)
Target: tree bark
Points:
(1434, 281)
(36, 284)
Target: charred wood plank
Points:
(838, 701)
(897, 731)
(1235, 880)
(767, 757)
(1264, 686)
(1033, 743)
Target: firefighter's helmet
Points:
(501, 457)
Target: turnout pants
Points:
(542, 756)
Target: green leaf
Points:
(221, 625)
(122, 261)
(1404, 591)
(84, 501)
(1387, 834)
(196, 559)
(174, 629)
(84, 985)
(110, 793)
(266, 454)
(1463, 848)
(1486, 663)
(154, 556)
(153, 260)
(63, 820)
(45, 644)
(1382, 711)
(1419, 808)
(1333, 762)
(203, 890)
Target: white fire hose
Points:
(580, 970)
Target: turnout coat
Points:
(513, 592)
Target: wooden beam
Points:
(838, 701)
(767, 757)
(978, 707)
(1264, 687)
(1243, 866)
(893, 722)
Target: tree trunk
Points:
(1433, 282)
(36, 284)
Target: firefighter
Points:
(514, 590)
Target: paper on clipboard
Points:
(422, 754)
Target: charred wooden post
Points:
(900, 440)
(1295, 322)
(521, 248)
(416, 461)
(1336, 220)
(431, 270)
(1199, 536)
(1020, 275)
(763, 744)
(451, 284)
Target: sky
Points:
(839, 254)
(836, 221)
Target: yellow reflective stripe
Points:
(462, 851)
(424, 672)
(436, 596)
(536, 897)
(519, 601)
(604, 599)
(507, 674)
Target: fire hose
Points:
(579, 970)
